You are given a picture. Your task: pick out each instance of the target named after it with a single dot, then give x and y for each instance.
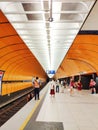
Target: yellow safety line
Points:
(30, 115)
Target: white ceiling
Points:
(48, 40)
(92, 21)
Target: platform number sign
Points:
(1, 76)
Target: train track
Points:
(9, 110)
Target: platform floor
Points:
(64, 112)
(77, 112)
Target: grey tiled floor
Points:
(77, 112)
(42, 125)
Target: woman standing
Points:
(71, 86)
(92, 86)
(79, 86)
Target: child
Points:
(52, 90)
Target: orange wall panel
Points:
(16, 59)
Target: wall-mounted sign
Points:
(1, 75)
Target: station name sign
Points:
(50, 71)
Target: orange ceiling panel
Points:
(15, 58)
(72, 67)
(81, 57)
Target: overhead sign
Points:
(50, 71)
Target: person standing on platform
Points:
(62, 87)
(71, 86)
(52, 88)
(36, 83)
(92, 86)
(79, 86)
(57, 86)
